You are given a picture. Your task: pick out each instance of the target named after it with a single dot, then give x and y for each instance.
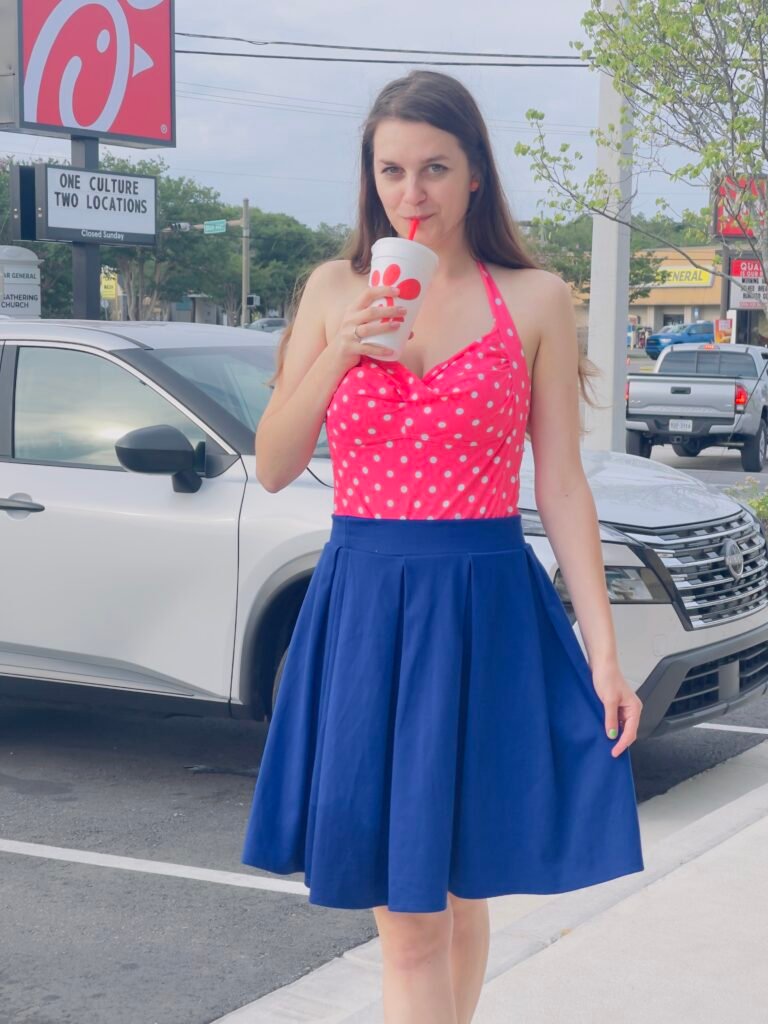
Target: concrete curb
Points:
(347, 990)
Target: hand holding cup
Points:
(363, 319)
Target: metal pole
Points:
(725, 266)
(609, 281)
(246, 264)
(86, 258)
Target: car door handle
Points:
(13, 504)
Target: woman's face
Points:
(421, 171)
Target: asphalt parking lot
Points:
(123, 896)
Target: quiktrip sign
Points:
(748, 290)
(739, 205)
(102, 68)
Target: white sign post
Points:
(19, 282)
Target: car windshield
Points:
(233, 376)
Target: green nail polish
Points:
(613, 733)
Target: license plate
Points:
(681, 425)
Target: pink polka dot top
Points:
(447, 445)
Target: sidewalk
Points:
(690, 947)
(682, 941)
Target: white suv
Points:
(144, 564)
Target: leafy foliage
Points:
(693, 78)
(282, 250)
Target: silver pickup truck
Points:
(701, 396)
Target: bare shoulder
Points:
(532, 296)
(344, 285)
(532, 280)
(328, 273)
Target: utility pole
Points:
(609, 280)
(246, 263)
(86, 259)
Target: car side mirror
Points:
(160, 449)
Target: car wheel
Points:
(636, 444)
(754, 450)
(687, 449)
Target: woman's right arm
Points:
(287, 433)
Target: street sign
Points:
(214, 227)
(108, 285)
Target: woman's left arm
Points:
(567, 508)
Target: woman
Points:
(439, 736)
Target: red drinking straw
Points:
(414, 225)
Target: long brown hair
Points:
(430, 97)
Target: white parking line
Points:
(152, 867)
(732, 728)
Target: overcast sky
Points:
(285, 133)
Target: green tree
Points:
(565, 246)
(180, 262)
(692, 77)
(282, 250)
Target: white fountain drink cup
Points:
(408, 265)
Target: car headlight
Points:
(626, 584)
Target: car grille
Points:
(712, 682)
(696, 558)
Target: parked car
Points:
(144, 565)
(701, 396)
(675, 334)
(269, 323)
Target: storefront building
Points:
(689, 293)
(692, 293)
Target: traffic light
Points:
(180, 225)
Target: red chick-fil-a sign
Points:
(98, 67)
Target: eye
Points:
(440, 166)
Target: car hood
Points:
(628, 490)
(633, 491)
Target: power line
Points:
(358, 111)
(245, 101)
(378, 49)
(238, 101)
(375, 60)
(269, 95)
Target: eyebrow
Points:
(429, 160)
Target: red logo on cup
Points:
(409, 289)
(99, 66)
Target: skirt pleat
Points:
(437, 729)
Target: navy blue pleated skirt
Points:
(436, 728)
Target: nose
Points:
(413, 192)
